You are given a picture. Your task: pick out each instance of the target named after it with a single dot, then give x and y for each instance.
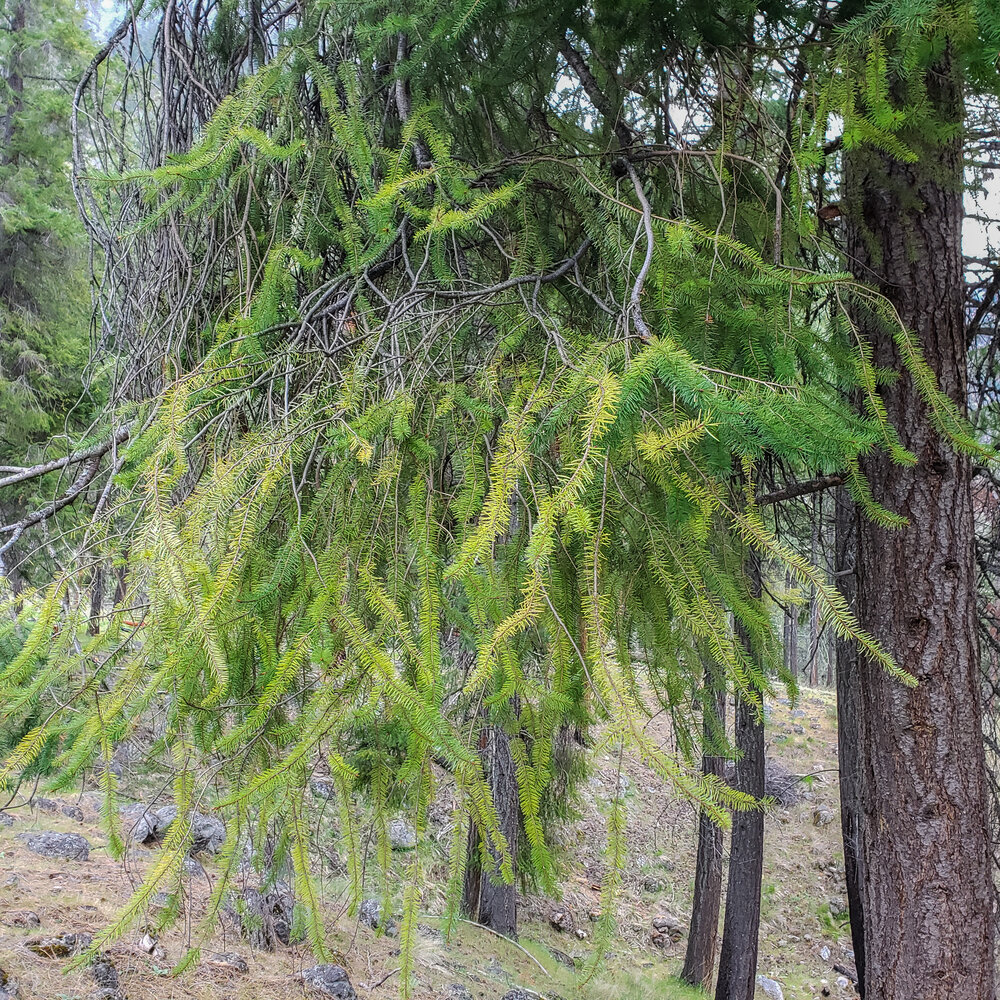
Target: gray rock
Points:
(193, 866)
(519, 994)
(402, 835)
(824, 953)
(456, 991)
(561, 919)
(330, 980)
(73, 812)
(105, 975)
(67, 846)
(323, 788)
(21, 918)
(562, 958)
(164, 816)
(838, 908)
(370, 913)
(139, 824)
(58, 945)
(149, 826)
(6, 819)
(779, 783)
(797, 713)
(208, 833)
(668, 924)
(842, 982)
(264, 917)
(770, 988)
(9, 989)
(46, 805)
(822, 816)
(228, 960)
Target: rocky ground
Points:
(59, 887)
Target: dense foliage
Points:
(458, 348)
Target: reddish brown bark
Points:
(927, 889)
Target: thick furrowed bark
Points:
(927, 891)
(487, 899)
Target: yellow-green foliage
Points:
(411, 487)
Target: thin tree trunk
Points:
(791, 633)
(96, 600)
(121, 582)
(831, 656)
(813, 602)
(699, 961)
(486, 898)
(928, 922)
(738, 959)
(848, 739)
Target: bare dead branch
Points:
(793, 490)
(44, 468)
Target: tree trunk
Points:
(10, 561)
(486, 898)
(927, 890)
(791, 633)
(121, 582)
(848, 708)
(14, 81)
(699, 961)
(738, 960)
(96, 600)
(813, 603)
(831, 656)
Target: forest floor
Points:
(803, 930)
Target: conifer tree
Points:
(44, 301)
(922, 798)
(450, 327)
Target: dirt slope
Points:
(802, 937)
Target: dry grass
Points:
(799, 879)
